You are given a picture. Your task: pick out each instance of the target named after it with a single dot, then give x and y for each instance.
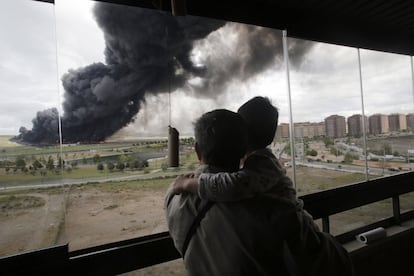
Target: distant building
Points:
(335, 126)
(410, 121)
(397, 122)
(378, 124)
(355, 125)
(282, 131)
(302, 129)
(307, 129)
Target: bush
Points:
(349, 158)
(110, 166)
(96, 158)
(120, 166)
(312, 152)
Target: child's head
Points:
(261, 118)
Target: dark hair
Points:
(261, 118)
(221, 136)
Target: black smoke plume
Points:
(151, 52)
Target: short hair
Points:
(222, 138)
(261, 118)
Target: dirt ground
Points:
(84, 217)
(95, 217)
(23, 229)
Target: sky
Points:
(41, 42)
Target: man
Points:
(247, 237)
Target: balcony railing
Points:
(132, 254)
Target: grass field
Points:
(5, 143)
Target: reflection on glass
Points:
(30, 218)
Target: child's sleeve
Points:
(225, 186)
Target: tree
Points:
(37, 165)
(120, 166)
(61, 163)
(287, 149)
(387, 149)
(50, 163)
(110, 166)
(122, 158)
(328, 141)
(349, 158)
(20, 162)
(312, 152)
(96, 158)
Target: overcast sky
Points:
(40, 42)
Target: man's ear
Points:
(198, 151)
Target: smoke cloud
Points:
(153, 52)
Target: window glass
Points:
(325, 93)
(30, 218)
(407, 202)
(389, 139)
(127, 75)
(125, 78)
(361, 216)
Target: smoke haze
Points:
(152, 52)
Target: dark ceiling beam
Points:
(370, 24)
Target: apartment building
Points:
(410, 121)
(378, 124)
(355, 127)
(397, 122)
(335, 126)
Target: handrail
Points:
(333, 201)
(326, 203)
(132, 254)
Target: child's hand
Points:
(185, 183)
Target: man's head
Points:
(221, 139)
(261, 118)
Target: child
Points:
(261, 172)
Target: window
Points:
(30, 218)
(104, 82)
(325, 93)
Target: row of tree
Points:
(136, 164)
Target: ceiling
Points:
(381, 25)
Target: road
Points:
(103, 179)
(346, 168)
